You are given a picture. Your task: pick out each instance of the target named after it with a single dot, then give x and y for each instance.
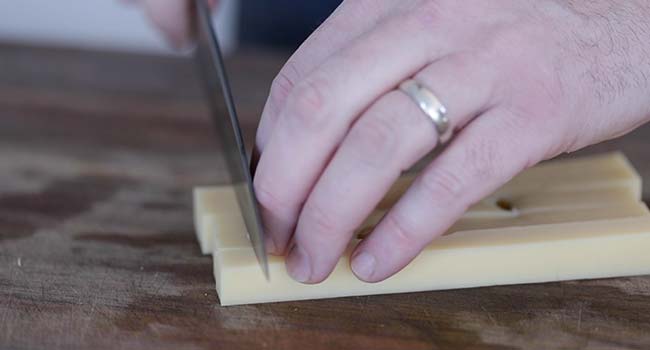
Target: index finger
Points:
(338, 30)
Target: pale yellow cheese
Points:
(214, 210)
(575, 251)
(535, 209)
(609, 170)
(565, 224)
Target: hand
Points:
(172, 17)
(522, 80)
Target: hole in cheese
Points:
(505, 204)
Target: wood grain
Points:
(98, 156)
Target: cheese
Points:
(563, 220)
(216, 208)
(610, 170)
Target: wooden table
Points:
(98, 154)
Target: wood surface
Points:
(98, 156)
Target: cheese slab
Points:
(558, 223)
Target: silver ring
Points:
(431, 106)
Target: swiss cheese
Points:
(570, 219)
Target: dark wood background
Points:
(98, 155)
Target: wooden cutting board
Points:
(98, 156)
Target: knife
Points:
(219, 95)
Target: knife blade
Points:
(217, 89)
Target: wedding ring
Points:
(431, 106)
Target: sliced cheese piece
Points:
(609, 170)
(539, 208)
(514, 255)
(554, 231)
(213, 207)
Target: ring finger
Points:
(388, 138)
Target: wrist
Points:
(614, 51)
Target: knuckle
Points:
(467, 61)
(516, 121)
(282, 86)
(268, 198)
(558, 136)
(530, 81)
(535, 96)
(442, 186)
(308, 105)
(482, 159)
(404, 232)
(516, 31)
(321, 221)
(509, 41)
(374, 139)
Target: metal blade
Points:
(213, 73)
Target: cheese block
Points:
(570, 219)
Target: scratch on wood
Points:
(4, 317)
(489, 315)
(580, 318)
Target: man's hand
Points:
(172, 17)
(522, 81)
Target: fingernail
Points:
(269, 244)
(363, 265)
(298, 265)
